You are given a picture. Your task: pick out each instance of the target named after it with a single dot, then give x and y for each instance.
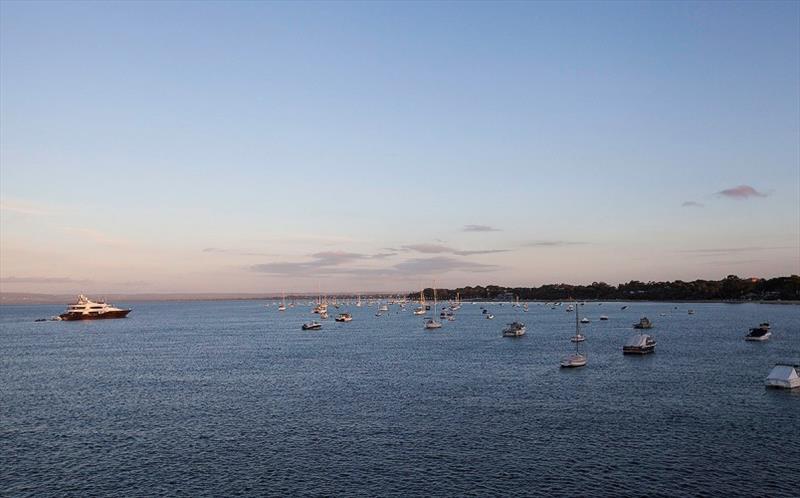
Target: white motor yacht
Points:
(86, 309)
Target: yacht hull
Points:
(638, 350)
(96, 316)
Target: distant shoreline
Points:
(47, 299)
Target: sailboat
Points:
(282, 307)
(420, 310)
(576, 359)
(358, 303)
(432, 323)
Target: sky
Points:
(375, 146)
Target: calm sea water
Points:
(232, 398)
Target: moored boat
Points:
(86, 309)
(784, 375)
(311, 326)
(514, 329)
(644, 323)
(344, 317)
(760, 333)
(639, 344)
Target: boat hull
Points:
(638, 350)
(71, 317)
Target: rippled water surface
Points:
(226, 398)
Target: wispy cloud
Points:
(439, 264)
(479, 228)
(720, 251)
(25, 208)
(741, 192)
(409, 267)
(96, 236)
(692, 204)
(554, 243)
(443, 249)
(42, 280)
(236, 252)
(326, 262)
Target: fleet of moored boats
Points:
(784, 375)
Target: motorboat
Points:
(311, 326)
(489, 316)
(86, 309)
(324, 315)
(784, 375)
(384, 308)
(603, 317)
(691, 312)
(644, 323)
(514, 329)
(578, 338)
(344, 317)
(419, 310)
(584, 320)
(760, 333)
(640, 344)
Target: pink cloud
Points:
(741, 192)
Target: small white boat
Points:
(576, 359)
(603, 317)
(419, 310)
(784, 375)
(584, 320)
(578, 338)
(324, 315)
(344, 317)
(489, 316)
(431, 323)
(384, 307)
(311, 326)
(691, 312)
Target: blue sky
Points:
(254, 146)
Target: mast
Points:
(577, 330)
(434, 299)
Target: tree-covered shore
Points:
(731, 288)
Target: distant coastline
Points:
(732, 290)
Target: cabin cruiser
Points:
(311, 326)
(640, 344)
(760, 333)
(784, 375)
(514, 329)
(344, 317)
(644, 323)
(86, 309)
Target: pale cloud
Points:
(554, 243)
(479, 228)
(720, 251)
(26, 208)
(741, 192)
(42, 280)
(96, 236)
(692, 204)
(334, 266)
(443, 249)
